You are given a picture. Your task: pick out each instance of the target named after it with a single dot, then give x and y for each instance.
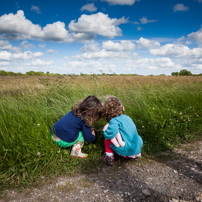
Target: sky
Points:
(141, 37)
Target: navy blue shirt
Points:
(69, 126)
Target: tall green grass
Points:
(167, 111)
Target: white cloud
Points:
(4, 63)
(180, 7)
(35, 9)
(157, 64)
(89, 66)
(42, 45)
(178, 51)
(91, 47)
(144, 20)
(103, 54)
(89, 7)
(146, 43)
(121, 2)
(5, 45)
(196, 36)
(122, 46)
(98, 23)
(56, 32)
(26, 45)
(39, 62)
(52, 51)
(5, 55)
(16, 26)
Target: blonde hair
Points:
(112, 107)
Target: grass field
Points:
(166, 110)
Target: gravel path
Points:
(174, 176)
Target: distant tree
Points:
(175, 73)
(31, 73)
(185, 72)
(3, 73)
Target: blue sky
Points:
(93, 36)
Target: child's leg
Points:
(115, 142)
(108, 149)
(119, 139)
(108, 158)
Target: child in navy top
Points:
(75, 127)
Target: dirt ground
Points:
(173, 176)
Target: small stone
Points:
(146, 192)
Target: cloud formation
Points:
(144, 20)
(98, 23)
(180, 7)
(18, 27)
(89, 7)
(177, 51)
(5, 55)
(146, 43)
(122, 46)
(121, 2)
(196, 36)
(35, 9)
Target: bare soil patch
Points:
(172, 176)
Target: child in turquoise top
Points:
(113, 113)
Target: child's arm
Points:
(88, 134)
(117, 140)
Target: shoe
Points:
(109, 160)
(76, 152)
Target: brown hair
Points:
(89, 110)
(112, 107)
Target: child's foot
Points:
(76, 152)
(109, 160)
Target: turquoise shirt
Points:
(125, 125)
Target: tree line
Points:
(183, 72)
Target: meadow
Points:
(167, 111)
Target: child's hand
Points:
(93, 132)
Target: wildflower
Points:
(38, 125)
(174, 111)
(58, 151)
(181, 117)
(142, 126)
(38, 153)
(153, 108)
(190, 115)
(171, 123)
(180, 113)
